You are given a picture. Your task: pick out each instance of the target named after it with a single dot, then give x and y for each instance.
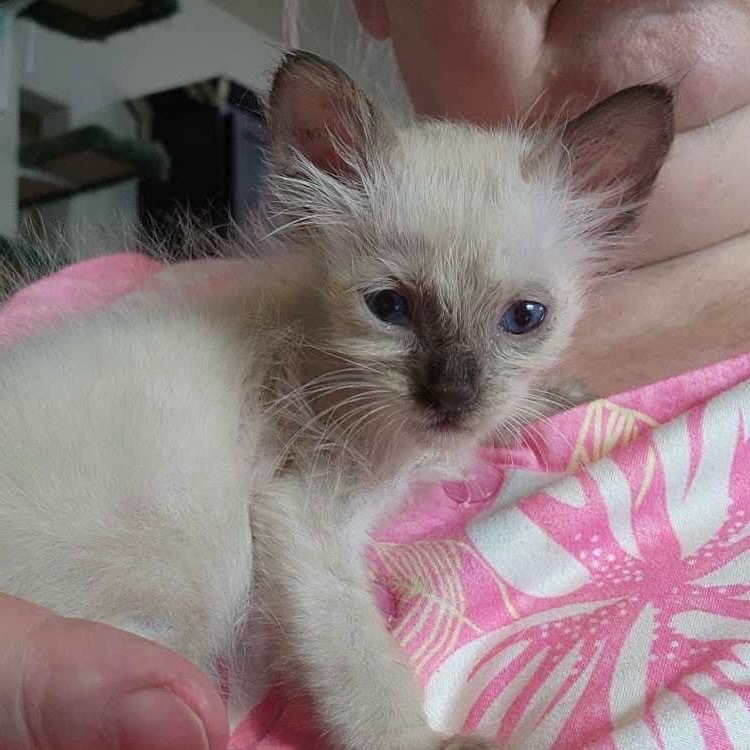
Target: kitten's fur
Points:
(194, 469)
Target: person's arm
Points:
(664, 319)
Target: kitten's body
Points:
(193, 467)
(119, 434)
(140, 446)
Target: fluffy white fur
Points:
(205, 471)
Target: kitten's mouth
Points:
(447, 422)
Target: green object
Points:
(103, 19)
(85, 159)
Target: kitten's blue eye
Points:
(390, 307)
(523, 317)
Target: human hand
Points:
(71, 684)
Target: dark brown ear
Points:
(318, 111)
(618, 148)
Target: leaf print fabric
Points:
(588, 591)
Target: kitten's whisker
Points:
(324, 427)
(336, 353)
(545, 419)
(298, 222)
(307, 396)
(321, 380)
(341, 444)
(360, 424)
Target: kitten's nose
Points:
(451, 382)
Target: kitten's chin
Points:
(468, 429)
(456, 442)
(422, 442)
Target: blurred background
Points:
(116, 114)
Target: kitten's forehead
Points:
(464, 195)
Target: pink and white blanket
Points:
(591, 590)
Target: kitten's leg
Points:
(331, 634)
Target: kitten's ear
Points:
(316, 110)
(618, 148)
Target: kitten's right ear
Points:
(317, 111)
(617, 148)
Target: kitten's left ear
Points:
(617, 149)
(316, 110)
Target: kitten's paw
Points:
(468, 743)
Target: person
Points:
(494, 61)
(66, 683)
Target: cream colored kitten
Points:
(205, 471)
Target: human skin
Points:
(687, 303)
(70, 684)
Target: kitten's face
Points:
(455, 285)
(454, 258)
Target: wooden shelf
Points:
(95, 19)
(84, 159)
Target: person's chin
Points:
(701, 48)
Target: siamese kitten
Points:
(193, 468)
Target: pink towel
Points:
(590, 589)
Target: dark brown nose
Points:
(451, 383)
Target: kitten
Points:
(201, 469)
